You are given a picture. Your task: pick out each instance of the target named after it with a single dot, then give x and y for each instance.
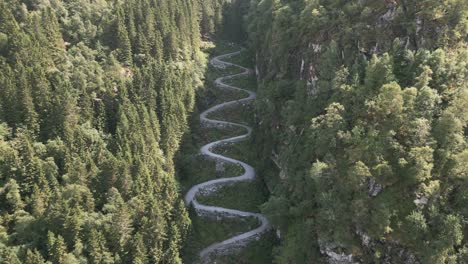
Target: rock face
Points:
(333, 257)
(421, 201)
(374, 188)
(282, 168)
(392, 251)
(389, 15)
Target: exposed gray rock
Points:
(389, 15)
(421, 201)
(282, 168)
(333, 256)
(374, 188)
(393, 252)
(365, 239)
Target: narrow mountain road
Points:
(249, 172)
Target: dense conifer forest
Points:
(360, 130)
(94, 99)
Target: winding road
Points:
(249, 172)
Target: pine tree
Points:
(57, 248)
(28, 115)
(38, 201)
(378, 72)
(124, 47)
(3, 43)
(138, 251)
(51, 28)
(9, 256)
(97, 250)
(12, 197)
(34, 257)
(8, 102)
(120, 225)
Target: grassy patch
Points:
(241, 113)
(244, 196)
(245, 59)
(206, 231)
(197, 169)
(248, 83)
(210, 134)
(210, 95)
(227, 95)
(220, 47)
(240, 151)
(193, 168)
(257, 252)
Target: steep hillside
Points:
(363, 111)
(360, 130)
(94, 98)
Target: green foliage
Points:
(249, 197)
(3, 41)
(94, 101)
(124, 48)
(362, 107)
(206, 231)
(194, 169)
(33, 257)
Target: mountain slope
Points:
(362, 110)
(94, 101)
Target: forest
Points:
(363, 114)
(94, 100)
(360, 129)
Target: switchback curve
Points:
(249, 172)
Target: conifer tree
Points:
(124, 47)
(94, 99)
(57, 248)
(34, 257)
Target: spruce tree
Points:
(124, 48)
